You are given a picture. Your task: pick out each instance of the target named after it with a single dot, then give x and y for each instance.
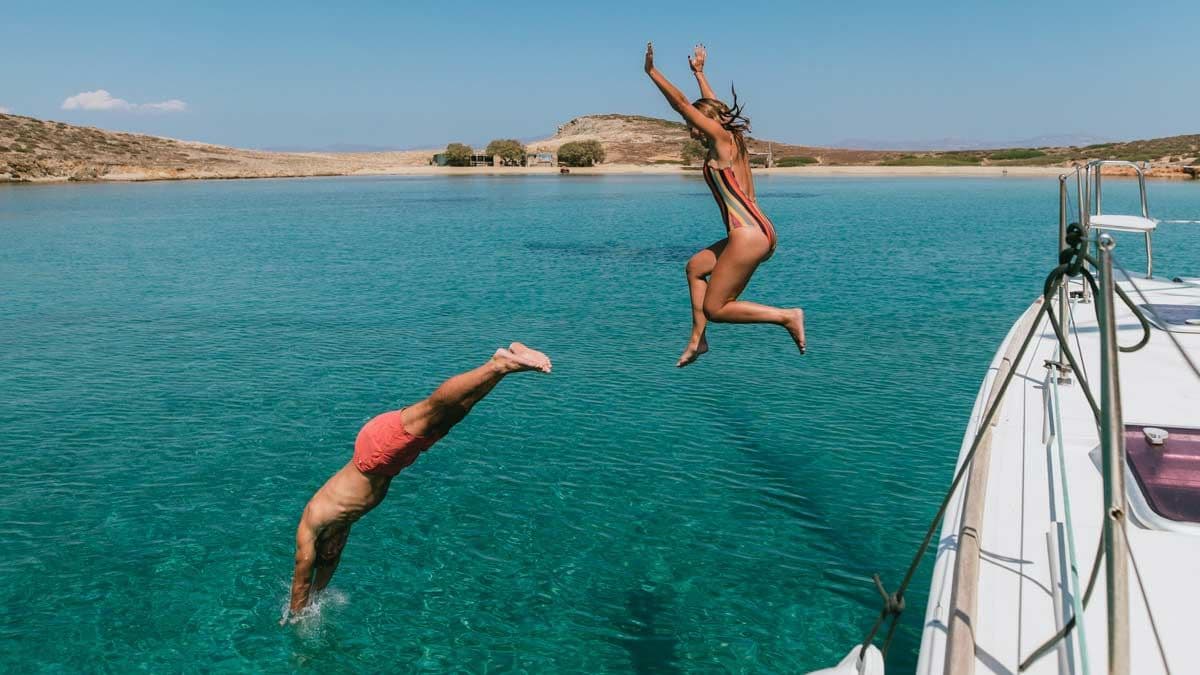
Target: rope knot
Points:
(1074, 255)
(893, 603)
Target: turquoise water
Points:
(183, 364)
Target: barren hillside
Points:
(633, 139)
(32, 149)
(627, 139)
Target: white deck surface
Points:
(1024, 500)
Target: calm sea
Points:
(183, 364)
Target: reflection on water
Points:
(651, 645)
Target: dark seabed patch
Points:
(615, 249)
(652, 646)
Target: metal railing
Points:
(1096, 172)
(1112, 427)
(1093, 185)
(1081, 203)
(1112, 443)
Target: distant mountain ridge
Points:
(335, 147)
(1044, 141)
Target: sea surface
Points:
(183, 364)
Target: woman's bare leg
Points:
(697, 270)
(745, 250)
(451, 402)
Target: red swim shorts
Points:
(384, 447)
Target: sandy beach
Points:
(335, 168)
(603, 170)
(383, 169)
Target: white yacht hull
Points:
(1002, 582)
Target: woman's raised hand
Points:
(649, 57)
(696, 59)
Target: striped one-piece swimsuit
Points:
(737, 210)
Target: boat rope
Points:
(1162, 653)
(1067, 627)
(1074, 585)
(1073, 262)
(1078, 343)
(1153, 312)
(1124, 532)
(893, 603)
(1070, 624)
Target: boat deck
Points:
(1024, 585)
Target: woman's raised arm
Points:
(696, 61)
(679, 102)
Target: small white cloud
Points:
(173, 105)
(95, 100)
(4, 111)
(102, 100)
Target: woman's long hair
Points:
(731, 118)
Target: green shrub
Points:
(1016, 153)
(796, 161)
(693, 152)
(510, 151)
(581, 153)
(458, 154)
(947, 159)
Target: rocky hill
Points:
(627, 139)
(34, 150)
(634, 139)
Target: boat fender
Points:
(871, 664)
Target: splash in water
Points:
(308, 619)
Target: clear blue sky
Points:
(421, 74)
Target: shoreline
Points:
(822, 171)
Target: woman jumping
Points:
(718, 274)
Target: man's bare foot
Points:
(693, 352)
(518, 357)
(540, 360)
(795, 325)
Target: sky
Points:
(398, 74)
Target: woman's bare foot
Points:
(795, 325)
(693, 352)
(528, 359)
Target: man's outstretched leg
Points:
(451, 402)
(386, 445)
